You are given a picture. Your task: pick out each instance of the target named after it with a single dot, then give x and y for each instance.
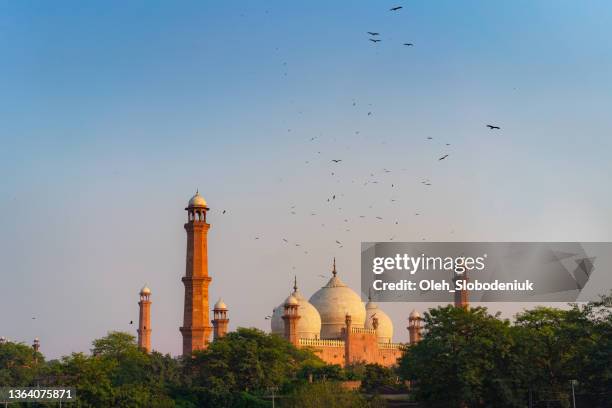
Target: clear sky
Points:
(113, 113)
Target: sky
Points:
(113, 113)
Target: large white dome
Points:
(309, 323)
(384, 331)
(334, 301)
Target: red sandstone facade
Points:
(196, 329)
(144, 320)
(356, 345)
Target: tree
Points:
(377, 378)
(328, 394)
(465, 358)
(19, 364)
(247, 360)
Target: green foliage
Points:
(19, 364)
(377, 378)
(471, 357)
(328, 394)
(247, 360)
(465, 357)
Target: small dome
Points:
(291, 301)
(334, 301)
(197, 201)
(309, 323)
(145, 290)
(414, 314)
(220, 305)
(384, 331)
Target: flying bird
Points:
(131, 322)
(268, 317)
(493, 127)
(409, 44)
(396, 8)
(223, 212)
(374, 40)
(443, 157)
(371, 33)
(338, 242)
(336, 160)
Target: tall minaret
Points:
(196, 330)
(220, 320)
(144, 319)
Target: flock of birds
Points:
(337, 162)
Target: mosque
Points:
(334, 323)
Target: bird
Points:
(374, 40)
(493, 127)
(396, 8)
(429, 138)
(223, 212)
(409, 44)
(284, 239)
(338, 242)
(371, 33)
(380, 218)
(268, 317)
(443, 157)
(336, 160)
(131, 322)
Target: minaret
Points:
(220, 320)
(348, 322)
(462, 298)
(196, 330)
(414, 327)
(36, 347)
(291, 317)
(144, 319)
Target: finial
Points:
(334, 272)
(295, 284)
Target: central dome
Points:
(334, 301)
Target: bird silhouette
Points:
(336, 160)
(493, 127)
(131, 322)
(371, 33)
(443, 157)
(374, 40)
(396, 8)
(409, 44)
(223, 212)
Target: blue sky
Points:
(113, 113)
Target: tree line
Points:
(467, 358)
